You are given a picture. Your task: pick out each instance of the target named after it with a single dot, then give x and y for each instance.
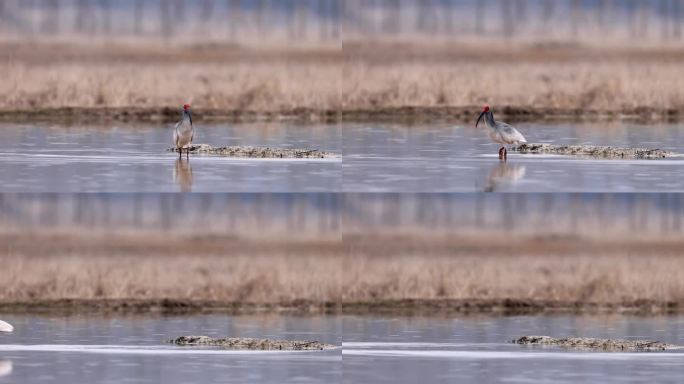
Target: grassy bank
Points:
(359, 81)
(369, 273)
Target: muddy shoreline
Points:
(240, 343)
(594, 344)
(257, 152)
(401, 307)
(404, 115)
(594, 151)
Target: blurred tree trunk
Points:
(507, 217)
(547, 13)
(106, 9)
(336, 18)
(480, 7)
(260, 15)
(206, 8)
(138, 210)
(234, 11)
(165, 19)
(480, 199)
(677, 18)
(520, 11)
(449, 17)
(291, 19)
(575, 17)
(664, 18)
(139, 10)
(371, 26)
(178, 10)
(678, 212)
(423, 16)
(302, 19)
(323, 17)
(50, 18)
(631, 16)
(392, 22)
(82, 11)
(644, 15)
(603, 18)
(665, 210)
(507, 18)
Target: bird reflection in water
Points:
(504, 174)
(5, 368)
(182, 174)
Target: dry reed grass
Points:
(575, 85)
(259, 86)
(359, 76)
(602, 278)
(253, 278)
(364, 268)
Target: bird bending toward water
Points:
(6, 327)
(184, 132)
(499, 132)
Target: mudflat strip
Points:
(259, 152)
(595, 151)
(587, 343)
(252, 344)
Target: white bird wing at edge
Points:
(6, 327)
(175, 134)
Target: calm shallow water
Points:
(93, 349)
(134, 159)
(446, 350)
(439, 158)
(381, 158)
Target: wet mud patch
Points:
(594, 151)
(258, 152)
(239, 343)
(592, 344)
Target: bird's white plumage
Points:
(183, 134)
(506, 134)
(6, 327)
(499, 132)
(5, 367)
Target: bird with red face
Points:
(499, 132)
(184, 131)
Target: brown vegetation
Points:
(369, 273)
(212, 78)
(154, 267)
(360, 80)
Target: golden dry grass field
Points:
(368, 271)
(352, 79)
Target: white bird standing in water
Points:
(184, 132)
(6, 327)
(499, 132)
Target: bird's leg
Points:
(505, 153)
(180, 152)
(187, 154)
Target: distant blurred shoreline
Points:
(403, 115)
(399, 307)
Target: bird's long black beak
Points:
(479, 118)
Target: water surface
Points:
(474, 350)
(96, 349)
(133, 158)
(441, 158)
